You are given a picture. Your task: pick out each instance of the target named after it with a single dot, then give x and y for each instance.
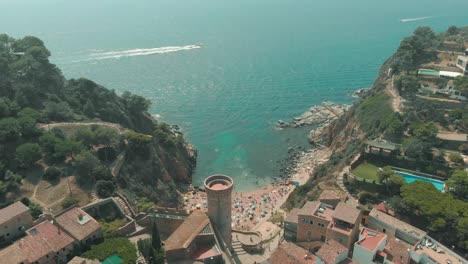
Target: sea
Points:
(226, 71)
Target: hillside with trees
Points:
(398, 110)
(59, 128)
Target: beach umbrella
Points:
(186, 198)
(251, 212)
(199, 206)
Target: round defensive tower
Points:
(218, 189)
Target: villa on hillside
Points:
(317, 221)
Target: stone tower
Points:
(218, 189)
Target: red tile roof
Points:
(187, 231)
(35, 248)
(330, 251)
(370, 239)
(346, 212)
(381, 207)
(52, 235)
(78, 229)
(289, 253)
(12, 211)
(12, 255)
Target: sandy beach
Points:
(252, 208)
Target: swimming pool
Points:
(409, 178)
(428, 72)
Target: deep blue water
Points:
(409, 178)
(260, 61)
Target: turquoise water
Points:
(260, 61)
(113, 259)
(409, 178)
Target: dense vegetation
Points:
(33, 91)
(119, 246)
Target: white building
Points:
(462, 63)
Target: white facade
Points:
(462, 63)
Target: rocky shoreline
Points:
(322, 114)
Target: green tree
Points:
(417, 149)
(58, 111)
(9, 129)
(136, 103)
(84, 164)
(104, 188)
(89, 109)
(27, 154)
(458, 184)
(35, 209)
(105, 135)
(84, 135)
(453, 30)
(426, 132)
(138, 144)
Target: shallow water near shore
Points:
(225, 72)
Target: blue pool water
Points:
(409, 178)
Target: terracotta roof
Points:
(187, 231)
(309, 208)
(12, 255)
(381, 207)
(346, 212)
(52, 235)
(292, 216)
(35, 248)
(289, 253)
(11, 211)
(330, 250)
(392, 221)
(397, 251)
(370, 239)
(77, 223)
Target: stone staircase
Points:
(237, 249)
(123, 205)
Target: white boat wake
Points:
(404, 20)
(129, 53)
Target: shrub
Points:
(456, 158)
(69, 201)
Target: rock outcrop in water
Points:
(322, 114)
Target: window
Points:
(309, 233)
(311, 222)
(322, 238)
(384, 230)
(8, 234)
(321, 224)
